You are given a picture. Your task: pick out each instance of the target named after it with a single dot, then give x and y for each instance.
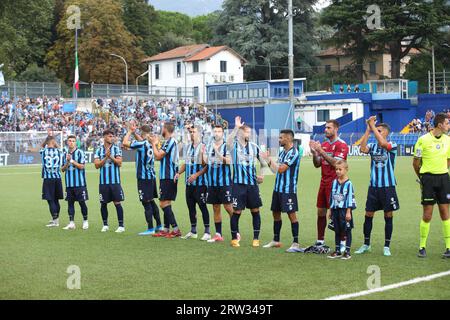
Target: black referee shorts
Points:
(435, 188)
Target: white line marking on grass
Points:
(391, 286)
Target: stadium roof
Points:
(192, 53)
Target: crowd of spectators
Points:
(47, 114)
(425, 124)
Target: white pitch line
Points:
(391, 286)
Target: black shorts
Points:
(147, 190)
(338, 217)
(435, 188)
(111, 192)
(384, 198)
(284, 202)
(77, 194)
(52, 189)
(167, 190)
(245, 196)
(196, 194)
(219, 195)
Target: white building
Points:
(189, 69)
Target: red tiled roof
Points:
(180, 52)
(193, 53)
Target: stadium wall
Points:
(246, 113)
(27, 158)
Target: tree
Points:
(203, 27)
(419, 65)
(257, 29)
(140, 18)
(405, 24)
(346, 17)
(102, 32)
(176, 30)
(25, 33)
(34, 73)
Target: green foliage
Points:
(140, 19)
(203, 27)
(259, 28)
(405, 25)
(24, 34)
(102, 32)
(33, 73)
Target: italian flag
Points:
(77, 76)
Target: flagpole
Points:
(75, 92)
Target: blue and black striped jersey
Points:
(382, 165)
(219, 173)
(286, 182)
(193, 160)
(244, 159)
(342, 195)
(110, 172)
(145, 161)
(51, 159)
(75, 177)
(169, 164)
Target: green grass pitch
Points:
(34, 259)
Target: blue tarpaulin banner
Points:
(69, 107)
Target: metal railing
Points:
(31, 89)
(93, 90)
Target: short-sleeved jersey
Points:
(434, 153)
(145, 160)
(169, 163)
(51, 159)
(337, 149)
(193, 160)
(219, 173)
(110, 172)
(244, 159)
(75, 177)
(342, 195)
(286, 182)
(382, 165)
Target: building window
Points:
(195, 66)
(223, 66)
(195, 92)
(178, 69)
(323, 115)
(327, 68)
(344, 111)
(212, 95)
(156, 71)
(373, 68)
(179, 92)
(222, 94)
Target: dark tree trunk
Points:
(395, 50)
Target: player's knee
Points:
(292, 217)
(388, 214)
(370, 214)
(276, 216)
